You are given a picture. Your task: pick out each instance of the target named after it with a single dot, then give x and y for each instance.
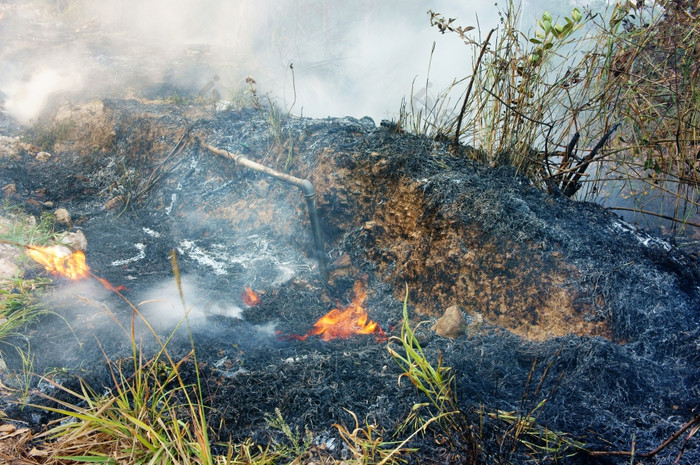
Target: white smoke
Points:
(27, 98)
(349, 58)
(162, 306)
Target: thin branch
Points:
(469, 88)
(515, 110)
(644, 212)
(662, 446)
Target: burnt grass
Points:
(607, 312)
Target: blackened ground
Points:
(610, 313)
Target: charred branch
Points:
(469, 89)
(570, 185)
(694, 421)
(306, 188)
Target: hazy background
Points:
(352, 58)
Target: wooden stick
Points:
(662, 446)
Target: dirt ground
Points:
(566, 284)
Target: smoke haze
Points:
(356, 58)
(351, 58)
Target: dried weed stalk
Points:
(617, 91)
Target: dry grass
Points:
(584, 105)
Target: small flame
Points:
(342, 323)
(250, 298)
(109, 286)
(59, 260)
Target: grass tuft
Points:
(438, 385)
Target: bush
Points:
(617, 91)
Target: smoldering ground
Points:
(559, 283)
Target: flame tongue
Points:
(59, 260)
(346, 322)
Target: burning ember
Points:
(250, 298)
(346, 322)
(59, 260)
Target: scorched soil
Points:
(610, 313)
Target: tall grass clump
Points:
(511, 102)
(152, 414)
(583, 104)
(650, 83)
(438, 384)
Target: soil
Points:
(604, 314)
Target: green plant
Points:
(248, 453)
(176, 98)
(524, 428)
(298, 444)
(280, 141)
(438, 385)
(423, 114)
(586, 105)
(26, 374)
(45, 134)
(18, 304)
(24, 229)
(368, 447)
(650, 83)
(511, 103)
(539, 440)
(151, 416)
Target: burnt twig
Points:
(658, 215)
(695, 420)
(156, 173)
(455, 143)
(570, 152)
(571, 185)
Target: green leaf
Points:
(89, 459)
(535, 41)
(576, 15)
(547, 16)
(547, 26)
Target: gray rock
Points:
(75, 240)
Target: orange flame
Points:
(109, 286)
(59, 260)
(342, 323)
(250, 298)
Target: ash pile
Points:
(564, 301)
